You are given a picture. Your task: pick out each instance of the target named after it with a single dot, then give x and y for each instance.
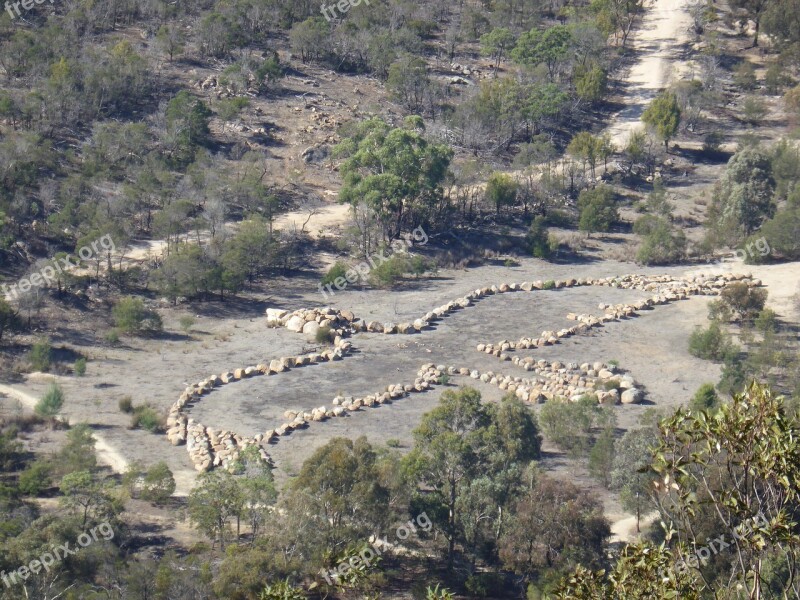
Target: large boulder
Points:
(632, 396)
(276, 315)
(311, 328)
(296, 324)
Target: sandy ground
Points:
(659, 42)
(106, 454)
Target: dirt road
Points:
(658, 42)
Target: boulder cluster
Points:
(556, 380)
(310, 321)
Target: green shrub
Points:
(745, 302)
(754, 110)
(549, 285)
(745, 76)
(598, 209)
(766, 321)
(337, 271)
(50, 404)
(734, 376)
(324, 335)
(538, 239)
(483, 585)
(80, 367)
(158, 484)
(35, 479)
(126, 405)
(559, 218)
(419, 265)
(437, 593)
(389, 272)
(186, 323)
(112, 337)
(712, 142)
(662, 243)
(40, 355)
(282, 590)
(779, 235)
(132, 317)
(712, 344)
(704, 399)
(393, 443)
(148, 418)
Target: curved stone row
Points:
(667, 287)
(208, 448)
(613, 312)
(569, 381)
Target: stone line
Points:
(209, 448)
(614, 312)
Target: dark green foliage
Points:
(148, 418)
(712, 344)
(126, 405)
(745, 302)
(548, 47)
(705, 398)
(501, 190)
(569, 425)
(35, 479)
(782, 234)
(396, 172)
(662, 243)
(80, 367)
(337, 271)
(601, 457)
(131, 316)
(51, 403)
(743, 198)
(158, 484)
(538, 239)
(598, 209)
(187, 120)
(40, 355)
(664, 116)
